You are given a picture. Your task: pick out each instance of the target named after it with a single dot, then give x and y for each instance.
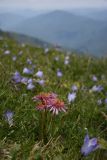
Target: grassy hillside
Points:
(21, 140)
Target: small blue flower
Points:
(71, 97)
(39, 74)
(29, 61)
(41, 82)
(99, 102)
(74, 88)
(98, 88)
(9, 117)
(94, 78)
(14, 58)
(27, 71)
(17, 77)
(24, 80)
(7, 52)
(30, 86)
(89, 145)
(59, 73)
(106, 101)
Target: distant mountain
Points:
(95, 13)
(67, 30)
(20, 38)
(8, 20)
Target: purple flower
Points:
(59, 73)
(7, 52)
(39, 74)
(30, 80)
(71, 97)
(14, 58)
(9, 117)
(66, 61)
(30, 86)
(106, 101)
(74, 88)
(27, 71)
(98, 88)
(29, 61)
(17, 77)
(99, 102)
(24, 80)
(41, 82)
(89, 145)
(94, 78)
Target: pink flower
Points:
(49, 101)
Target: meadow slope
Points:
(21, 140)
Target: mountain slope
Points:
(65, 29)
(25, 39)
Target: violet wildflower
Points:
(39, 74)
(74, 88)
(59, 73)
(106, 101)
(30, 80)
(29, 61)
(99, 102)
(7, 52)
(17, 77)
(27, 71)
(89, 145)
(94, 78)
(24, 80)
(14, 58)
(41, 82)
(71, 97)
(9, 117)
(66, 62)
(98, 88)
(30, 86)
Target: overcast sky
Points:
(48, 4)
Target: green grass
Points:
(21, 141)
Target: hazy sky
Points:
(48, 4)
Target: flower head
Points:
(49, 101)
(17, 77)
(57, 106)
(27, 71)
(14, 58)
(71, 97)
(98, 88)
(39, 74)
(94, 78)
(89, 145)
(41, 82)
(74, 88)
(7, 52)
(30, 86)
(59, 73)
(9, 117)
